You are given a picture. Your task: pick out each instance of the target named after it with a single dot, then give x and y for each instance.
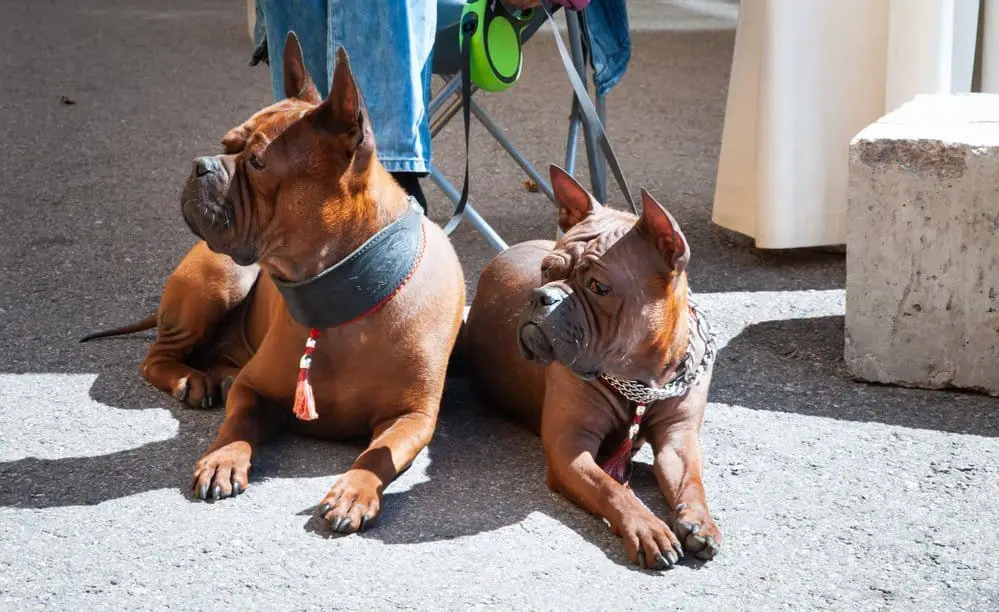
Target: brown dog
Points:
(297, 192)
(603, 318)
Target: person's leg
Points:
(396, 54)
(390, 45)
(308, 19)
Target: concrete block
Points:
(922, 287)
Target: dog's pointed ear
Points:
(343, 112)
(297, 83)
(660, 227)
(573, 200)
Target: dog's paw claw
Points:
(648, 540)
(198, 390)
(352, 503)
(225, 387)
(222, 473)
(698, 532)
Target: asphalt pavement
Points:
(831, 494)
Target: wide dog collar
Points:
(362, 282)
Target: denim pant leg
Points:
(390, 45)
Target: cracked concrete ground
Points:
(831, 494)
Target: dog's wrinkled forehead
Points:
(595, 234)
(266, 124)
(595, 238)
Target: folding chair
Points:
(447, 103)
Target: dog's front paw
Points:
(223, 473)
(647, 540)
(697, 530)
(198, 390)
(353, 502)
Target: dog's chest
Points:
(356, 382)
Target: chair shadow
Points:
(797, 366)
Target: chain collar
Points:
(684, 377)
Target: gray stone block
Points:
(922, 287)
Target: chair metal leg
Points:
(504, 142)
(441, 115)
(451, 87)
(444, 117)
(576, 50)
(471, 215)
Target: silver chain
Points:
(685, 376)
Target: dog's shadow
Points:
(46, 483)
(486, 473)
(481, 473)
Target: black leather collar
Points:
(363, 281)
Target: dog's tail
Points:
(147, 323)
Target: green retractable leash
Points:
(491, 58)
(496, 57)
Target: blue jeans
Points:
(390, 45)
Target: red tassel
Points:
(305, 400)
(618, 463)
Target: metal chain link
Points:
(686, 375)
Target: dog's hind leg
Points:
(204, 288)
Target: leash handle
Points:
(586, 105)
(468, 25)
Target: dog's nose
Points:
(546, 297)
(205, 165)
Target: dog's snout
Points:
(205, 165)
(545, 297)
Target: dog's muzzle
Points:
(202, 196)
(537, 329)
(204, 208)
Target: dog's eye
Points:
(255, 161)
(597, 287)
